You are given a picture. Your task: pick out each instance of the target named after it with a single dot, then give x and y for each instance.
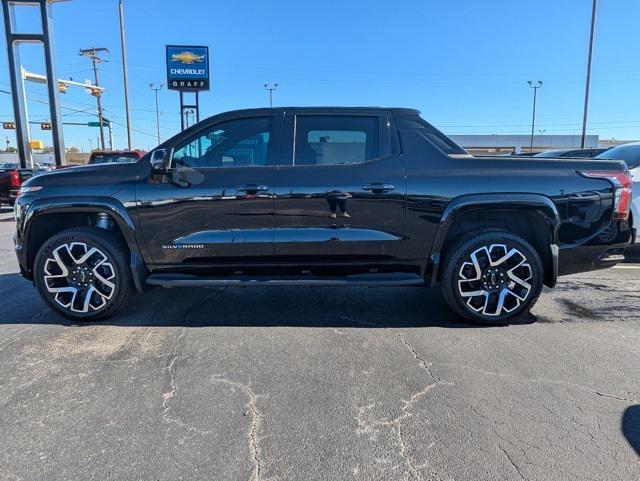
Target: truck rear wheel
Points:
(83, 274)
(492, 277)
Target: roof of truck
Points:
(395, 110)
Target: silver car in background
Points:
(630, 153)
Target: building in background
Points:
(496, 144)
(507, 144)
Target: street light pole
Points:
(535, 86)
(124, 74)
(271, 88)
(156, 90)
(588, 83)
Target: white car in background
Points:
(630, 153)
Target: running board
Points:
(370, 280)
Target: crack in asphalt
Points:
(256, 424)
(417, 357)
(512, 462)
(174, 358)
(167, 396)
(407, 405)
(256, 416)
(539, 380)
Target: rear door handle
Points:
(378, 187)
(252, 188)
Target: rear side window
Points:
(430, 133)
(336, 140)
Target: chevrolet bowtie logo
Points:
(186, 58)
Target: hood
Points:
(88, 174)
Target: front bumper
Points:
(19, 210)
(10, 196)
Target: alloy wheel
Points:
(79, 278)
(495, 280)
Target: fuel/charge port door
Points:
(585, 207)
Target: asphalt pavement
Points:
(321, 384)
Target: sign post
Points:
(187, 71)
(14, 39)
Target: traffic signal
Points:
(62, 87)
(9, 125)
(45, 126)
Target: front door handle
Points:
(252, 188)
(378, 187)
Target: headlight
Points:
(26, 190)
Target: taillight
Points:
(622, 183)
(14, 179)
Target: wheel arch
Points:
(533, 216)
(48, 217)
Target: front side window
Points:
(336, 140)
(236, 143)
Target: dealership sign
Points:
(187, 68)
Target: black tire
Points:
(506, 281)
(110, 258)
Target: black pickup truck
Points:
(320, 197)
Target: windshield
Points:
(551, 153)
(630, 153)
(113, 158)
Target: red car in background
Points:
(11, 179)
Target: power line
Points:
(135, 130)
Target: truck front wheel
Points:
(492, 277)
(83, 274)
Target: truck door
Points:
(341, 189)
(216, 205)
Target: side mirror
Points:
(161, 161)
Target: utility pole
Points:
(110, 135)
(124, 74)
(153, 87)
(535, 86)
(271, 88)
(92, 53)
(588, 84)
(90, 144)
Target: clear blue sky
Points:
(463, 63)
